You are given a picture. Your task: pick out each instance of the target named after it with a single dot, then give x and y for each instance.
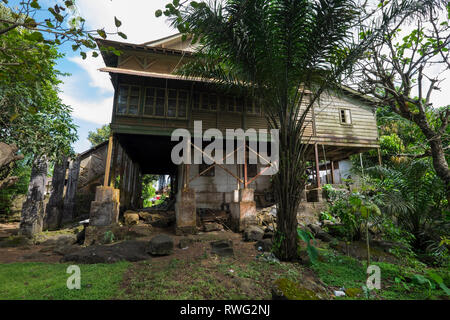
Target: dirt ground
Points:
(36, 253)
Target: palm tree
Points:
(285, 53)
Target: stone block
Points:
(185, 212)
(105, 208)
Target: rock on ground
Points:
(124, 251)
(131, 218)
(222, 248)
(253, 233)
(161, 245)
(285, 289)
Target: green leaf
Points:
(117, 22)
(122, 35)
(158, 13)
(101, 33)
(34, 4)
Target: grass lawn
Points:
(211, 277)
(42, 281)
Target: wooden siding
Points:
(362, 130)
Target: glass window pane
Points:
(182, 108)
(122, 100)
(149, 101)
(182, 104)
(133, 109)
(160, 102)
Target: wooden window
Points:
(182, 103)
(172, 103)
(128, 100)
(160, 102)
(210, 173)
(149, 103)
(158, 105)
(345, 116)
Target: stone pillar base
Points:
(243, 213)
(186, 213)
(105, 208)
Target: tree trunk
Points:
(33, 208)
(437, 153)
(72, 186)
(54, 209)
(288, 187)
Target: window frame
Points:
(343, 110)
(166, 103)
(129, 88)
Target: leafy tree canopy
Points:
(99, 135)
(32, 115)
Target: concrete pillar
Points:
(243, 211)
(186, 213)
(105, 208)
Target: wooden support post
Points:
(114, 164)
(332, 171)
(245, 166)
(108, 161)
(316, 152)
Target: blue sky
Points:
(88, 91)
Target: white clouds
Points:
(91, 65)
(96, 110)
(138, 18)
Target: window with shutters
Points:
(345, 116)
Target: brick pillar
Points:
(243, 212)
(186, 214)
